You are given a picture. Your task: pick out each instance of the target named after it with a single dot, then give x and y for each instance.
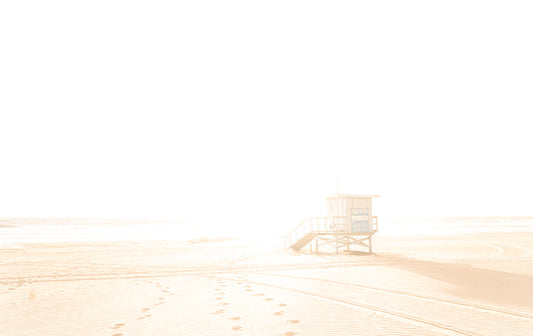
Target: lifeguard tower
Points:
(349, 222)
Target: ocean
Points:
(28, 230)
(20, 230)
(438, 226)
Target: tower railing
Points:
(374, 223)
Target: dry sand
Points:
(459, 285)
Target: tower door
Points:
(360, 220)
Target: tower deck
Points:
(330, 231)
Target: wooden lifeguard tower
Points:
(349, 222)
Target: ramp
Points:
(302, 241)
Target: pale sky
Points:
(247, 111)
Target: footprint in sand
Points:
(117, 326)
(161, 298)
(118, 334)
(249, 289)
(291, 333)
(220, 311)
(218, 298)
(235, 318)
(145, 309)
(236, 327)
(269, 299)
(279, 313)
(165, 291)
(224, 303)
(293, 321)
(282, 304)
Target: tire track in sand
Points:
(352, 304)
(410, 294)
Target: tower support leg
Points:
(370, 244)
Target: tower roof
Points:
(351, 196)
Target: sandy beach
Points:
(478, 284)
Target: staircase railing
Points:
(314, 225)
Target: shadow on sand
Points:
(471, 282)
